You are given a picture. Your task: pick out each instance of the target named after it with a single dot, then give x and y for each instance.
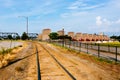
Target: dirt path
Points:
(82, 69)
(50, 70)
(25, 68)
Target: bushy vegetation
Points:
(5, 51)
(24, 36)
(55, 36)
(112, 44)
(10, 37)
(19, 69)
(115, 37)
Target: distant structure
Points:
(32, 35)
(45, 34)
(91, 37)
(4, 35)
(83, 37)
(71, 34)
(60, 32)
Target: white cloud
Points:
(106, 25)
(105, 22)
(98, 21)
(76, 5)
(118, 21)
(84, 5)
(73, 14)
(79, 16)
(91, 7)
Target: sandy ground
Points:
(81, 67)
(50, 70)
(23, 67)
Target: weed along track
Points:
(51, 68)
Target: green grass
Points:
(5, 51)
(105, 60)
(112, 44)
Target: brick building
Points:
(44, 35)
(78, 36)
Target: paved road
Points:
(9, 44)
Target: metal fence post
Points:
(11, 44)
(98, 50)
(108, 48)
(63, 43)
(69, 43)
(87, 47)
(74, 45)
(91, 45)
(80, 47)
(116, 54)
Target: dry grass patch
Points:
(19, 69)
(111, 67)
(8, 55)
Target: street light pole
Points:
(63, 37)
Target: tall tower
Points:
(71, 34)
(45, 34)
(61, 32)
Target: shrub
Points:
(5, 51)
(19, 69)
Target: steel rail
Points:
(70, 75)
(38, 65)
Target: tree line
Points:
(23, 37)
(115, 37)
(55, 36)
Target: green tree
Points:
(53, 35)
(24, 36)
(17, 37)
(64, 37)
(113, 37)
(10, 37)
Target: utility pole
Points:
(63, 37)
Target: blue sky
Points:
(86, 16)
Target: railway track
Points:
(64, 70)
(38, 64)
